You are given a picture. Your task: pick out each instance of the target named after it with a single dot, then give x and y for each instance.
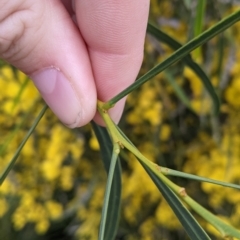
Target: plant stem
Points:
(120, 140)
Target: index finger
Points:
(114, 33)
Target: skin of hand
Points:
(75, 51)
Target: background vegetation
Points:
(56, 188)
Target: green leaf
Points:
(169, 191)
(15, 157)
(14, 132)
(179, 54)
(105, 211)
(226, 230)
(220, 49)
(173, 193)
(163, 37)
(198, 23)
(113, 211)
(167, 171)
(179, 91)
(191, 226)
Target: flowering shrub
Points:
(56, 188)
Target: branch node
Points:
(120, 144)
(182, 192)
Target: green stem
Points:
(225, 229)
(121, 140)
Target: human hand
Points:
(75, 56)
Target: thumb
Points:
(40, 38)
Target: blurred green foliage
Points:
(55, 190)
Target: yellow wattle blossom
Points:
(90, 216)
(28, 149)
(7, 188)
(147, 97)
(153, 114)
(67, 178)
(147, 228)
(89, 228)
(165, 132)
(42, 226)
(232, 94)
(18, 220)
(202, 106)
(54, 209)
(77, 149)
(93, 142)
(149, 108)
(51, 169)
(141, 183)
(195, 83)
(165, 216)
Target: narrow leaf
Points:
(105, 210)
(198, 23)
(226, 230)
(179, 91)
(15, 157)
(113, 211)
(191, 226)
(179, 54)
(167, 171)
(163, 37)
(169, 191)
(13, 133)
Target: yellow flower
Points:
(67, 178)
(76, 148)
(50, 169)
(201, 105)
(146, 98)
(54, 209)
(18, 219)
(27, 199)
(89, 227)
(196, 84)
(94, 143)
(42, 226)
(232, 94)
(164, 132)
(147, 228)
(7, 187)
(166, 217)
(153, 114)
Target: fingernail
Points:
(59, 95)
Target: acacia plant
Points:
(113, 142)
